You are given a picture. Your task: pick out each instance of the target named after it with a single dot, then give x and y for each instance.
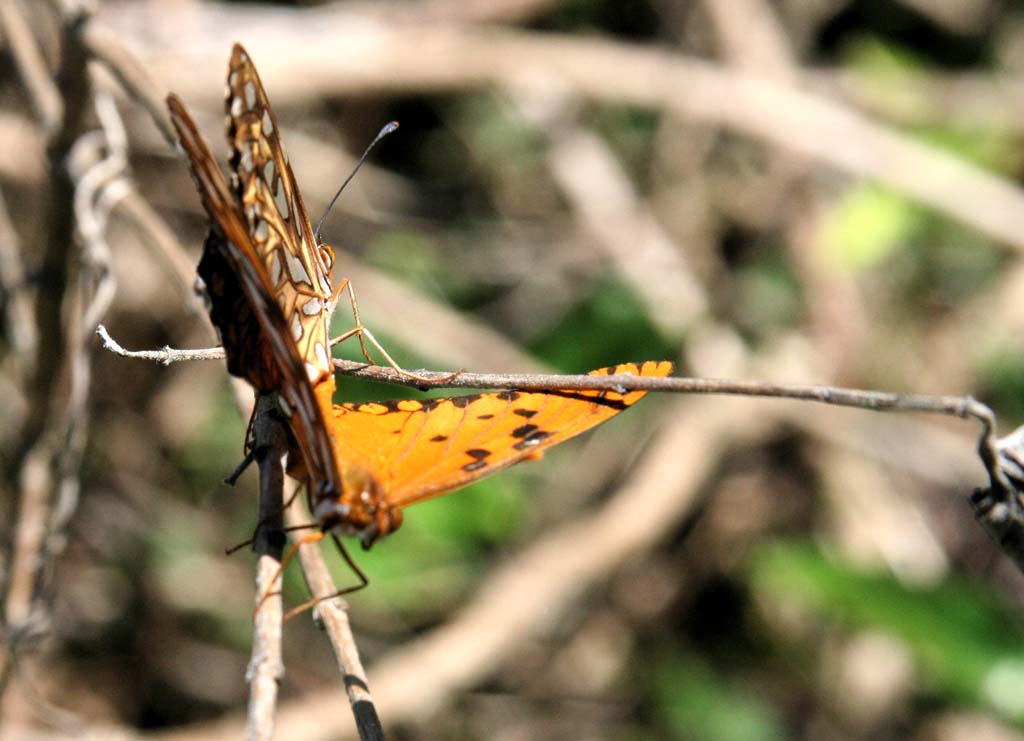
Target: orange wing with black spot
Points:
(413, 450)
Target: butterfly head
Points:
(326, 255)
(359, 510)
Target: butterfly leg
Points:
(358, 330)
(232, 478)
(267, 519)
(285, 560)
(365, 335)
(363, 581)
(261, 523)
(290, 554)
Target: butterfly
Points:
(267, 278)
(270, 291)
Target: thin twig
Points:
(333, 616)
(164, 356)
(956, 406)
(97, 190)
(266, 665)
(54, 270)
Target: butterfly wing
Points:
(232, 313)
(298, 269)
(415, 450)
(256, 339)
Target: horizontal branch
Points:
(957, 406)
(996, 460)
(165, 355)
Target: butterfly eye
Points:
(327, 255)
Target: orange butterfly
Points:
(271, 293)
(268, 281)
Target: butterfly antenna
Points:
(388, 128)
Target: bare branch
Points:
(332, 614)
(266, 665)
(164, 356)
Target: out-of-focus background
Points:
(802, 190)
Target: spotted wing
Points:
(298, 269)
(255, 334)
(415, 450)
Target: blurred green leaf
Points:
(216, 448)
(868, 225)
(500, 139)
(964, 642)
(1002, 379)
(696, 703)
(630, 131)
(608, 326)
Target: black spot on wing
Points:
(479, 456)
(532, 439)
(438, 438)
(525, 413)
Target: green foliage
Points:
(436, 550)
(767, 292)
(1002, 378)
(609, 325)
(868, 225)
(965, 644)
(630, 131)
(216, 448)
(695, 702)
(498, 137)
